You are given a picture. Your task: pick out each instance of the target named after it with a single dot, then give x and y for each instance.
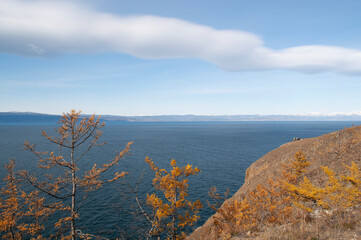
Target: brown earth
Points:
(334, 150)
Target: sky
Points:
(161, 57)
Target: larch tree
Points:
(76, 136)
(172, 212)
(21, 214)
(339, 191)
(269, 203)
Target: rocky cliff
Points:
(333, 150)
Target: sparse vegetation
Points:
(299, 208)
(172, 215)
(289, 206)
(22, 214)
(76, 137)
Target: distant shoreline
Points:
(38, 118)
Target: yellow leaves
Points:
(152, 165)
(76, 136)
(154, 201)
(10, 203)
(62, 221)
(177, 212)
(173, 163)
(264, 205)
(345, 190)
(295, 168)
(339, 191)
(234, 216)
(300, 163)
(118, 175)
(17, 207)
(355, 175)
(267, 204)
(305, 191)
(91, 178)
(244, 214)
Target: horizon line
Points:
(203, 115)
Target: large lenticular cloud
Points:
(42, 28)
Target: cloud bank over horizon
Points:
(46, 28)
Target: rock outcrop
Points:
(334, 150)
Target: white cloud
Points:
(52, 27)
(332, 114)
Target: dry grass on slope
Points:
(337, 225)
(309, 208)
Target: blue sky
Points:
(180, 57)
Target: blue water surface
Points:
(222, 150)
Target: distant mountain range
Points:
(8, 117)
(27, 117)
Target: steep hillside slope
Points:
(333, 150)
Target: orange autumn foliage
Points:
(76, 136)
(339, 192)
(276, 202)
(173, 212)
(21, 214)
(267, 204)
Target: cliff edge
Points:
(333, 150)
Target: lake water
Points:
(222, 150)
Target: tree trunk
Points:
(72, 224)
(174, 214)
(72, 210)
